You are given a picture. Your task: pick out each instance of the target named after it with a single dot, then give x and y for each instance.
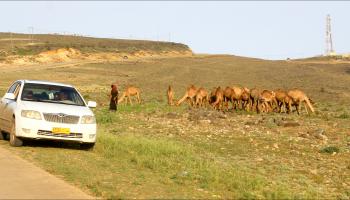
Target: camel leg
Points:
(249, 105)
(290, 107)
(170, 100)
(197, 102)
(129, 97)
(126, 100)
(192, 102)
(279, 107)
(283, 107)
(298, 108)
(226, 103)
(254, 105)
(306, 108)
(309, 105)
(138, 98)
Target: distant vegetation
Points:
(23, 44)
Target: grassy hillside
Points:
(24, 44)
(157, 151)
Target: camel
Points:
(228, 93)
(130, 91)
(281, 98)
(268, 100)
(189, 95)
(170, 95)
(219, 98)
(254, 99)
(237, 96)
(245, 98)
(297, 97)
(202, 97)
(212, 97)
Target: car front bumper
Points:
(41, 129)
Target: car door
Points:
(8, 106)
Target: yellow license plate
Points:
(61, 130)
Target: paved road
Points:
(20, 179)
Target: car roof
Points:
(46, 82)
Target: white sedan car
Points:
(46, 110)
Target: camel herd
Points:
(246, 99)
(219, 98)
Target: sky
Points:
(261, 29)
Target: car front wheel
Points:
(14, 140)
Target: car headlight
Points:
(88, 119)
(32, 114)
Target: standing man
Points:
(114, 98)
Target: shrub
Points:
(344, 115)
(330, 150)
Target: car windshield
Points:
(51, 94)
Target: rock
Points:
(277, 121)
(304, 135)
(172, 115)
(318, 134)
(249, 123)
(280, 123)
(182, 174)
(271, 120)
(205, 121)
(313, 171)
(290, 124)
(321, 137)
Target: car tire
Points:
(87, 146)
(14, 140)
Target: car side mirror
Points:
(10, 96)
(92, 104)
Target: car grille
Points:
(61, 118)
(70, 135)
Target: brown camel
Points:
(245, 98)
(130, 91)
(212, 97)
(298, 96)
(281, 97)
(170, 95)
(228, 93)
(237, 96)
(219, 98)
(268, 100)
(189, 95)
(254, 99)
(202, 97)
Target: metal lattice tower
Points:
(329, 42)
